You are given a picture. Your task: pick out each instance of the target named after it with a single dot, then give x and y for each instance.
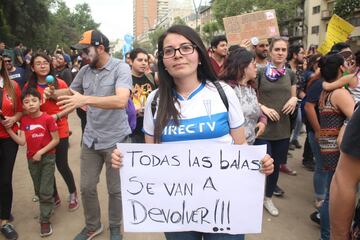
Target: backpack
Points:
(218, 87)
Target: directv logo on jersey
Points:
(205, 127)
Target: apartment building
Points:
(317, 16)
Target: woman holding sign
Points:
(190, 93)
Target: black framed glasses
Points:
(184, 49)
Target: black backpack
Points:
(218, 87)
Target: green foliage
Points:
(154, 37)
(285, 9)
(179, 21)
(209, 31)
(43, 23)
(118, 54)
(346, 8)
(144, 45)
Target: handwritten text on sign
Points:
(192, 187)
(261, 24)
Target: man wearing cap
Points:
(103, 85)
(261, 49)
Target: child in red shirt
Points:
(40, 133)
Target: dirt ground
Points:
(293, 223)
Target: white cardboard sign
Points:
(214, 188)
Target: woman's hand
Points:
(271, 113)
(261, 129)
(116, 159)
(8, 122)
(267, 165)
(290, 106)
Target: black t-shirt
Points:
(313, 96)
(351, 140)
(146, 85)
(143, 81)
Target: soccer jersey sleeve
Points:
(149, 119)
(236, 116)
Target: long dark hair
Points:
(235, 64)
(9, 86)
(32, 79)
(166, 108)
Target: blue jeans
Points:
(298, 125)
(200, 236)
(278, 150)
(324, 211)
(320, 176)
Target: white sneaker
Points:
(270, 207)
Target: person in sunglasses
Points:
(15, 73)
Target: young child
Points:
(40, 133)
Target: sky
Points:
(115, 16)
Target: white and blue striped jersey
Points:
(203, 116)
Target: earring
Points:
(199, 63)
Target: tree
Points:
(179, 21)
(22, 21)
(154, 37)
(346, 8)
(43, 23)
(209, 31)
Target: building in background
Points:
(144, 16)
(317, 16)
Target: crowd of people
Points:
(262, 91)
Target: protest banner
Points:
(338, 30)
(261, 24)
(215, 188)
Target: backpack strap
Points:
(150, 77)
(154, 103)
(222, 94)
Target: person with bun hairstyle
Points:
(10, 113)
(41, 67)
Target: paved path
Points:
(293, 223)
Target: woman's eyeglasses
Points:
(184, 49)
